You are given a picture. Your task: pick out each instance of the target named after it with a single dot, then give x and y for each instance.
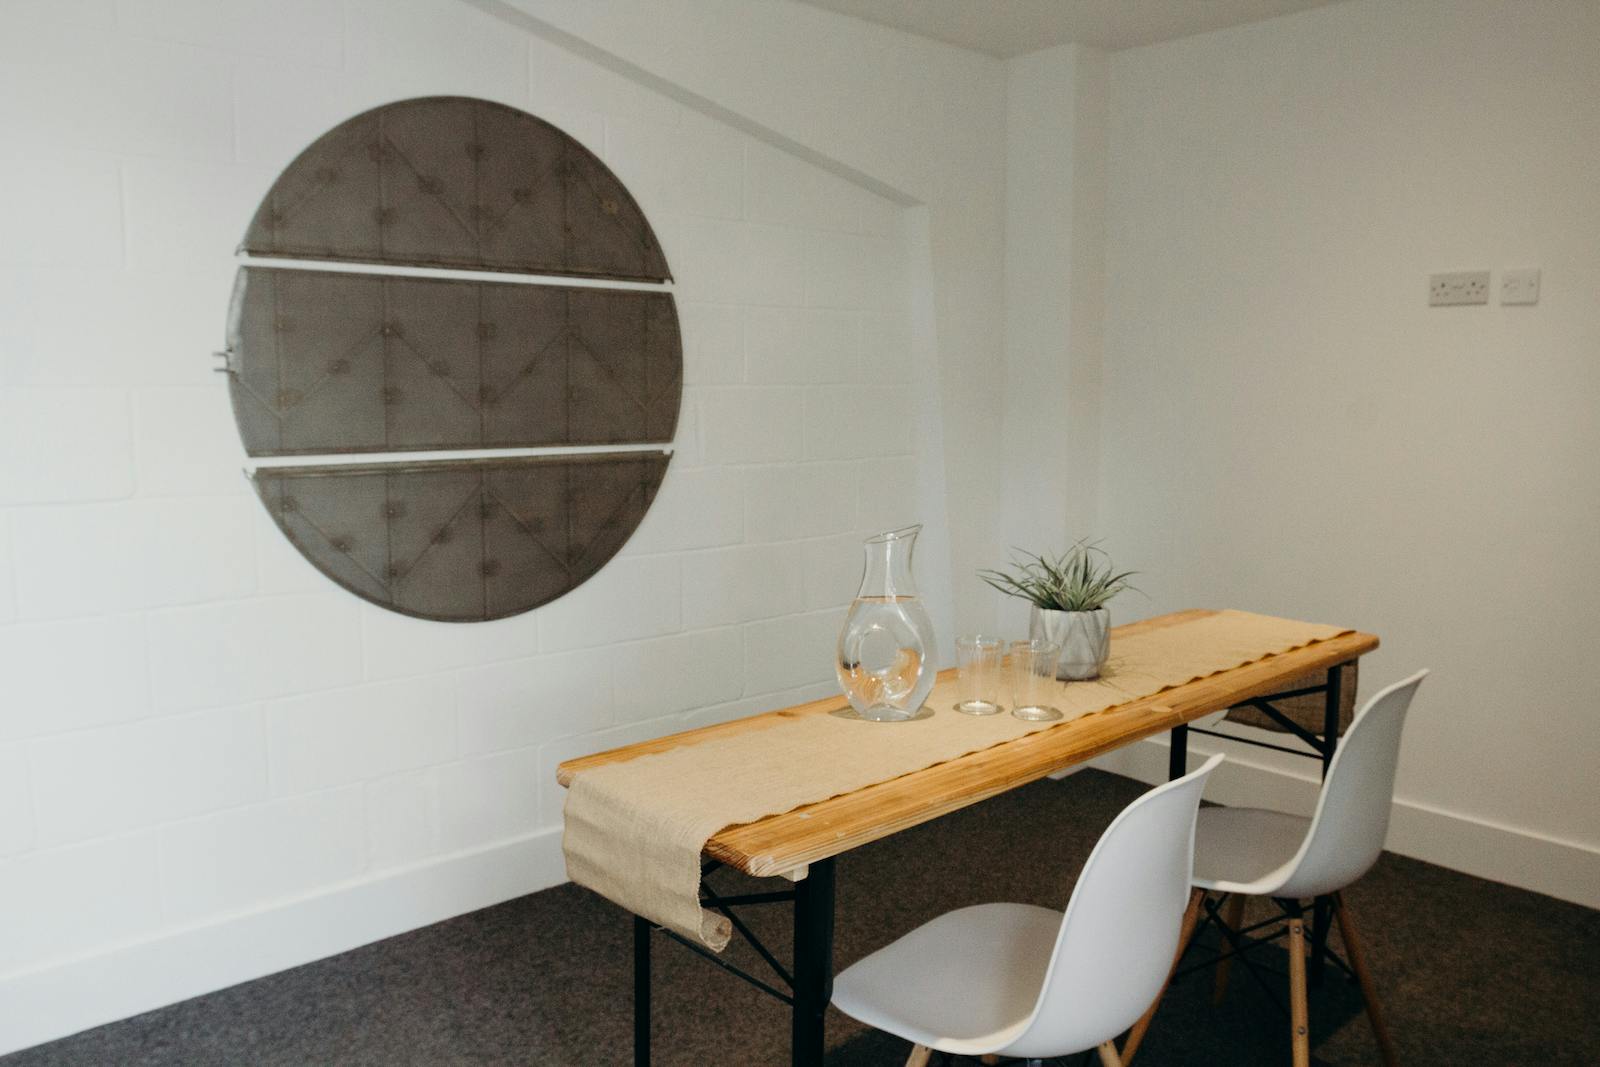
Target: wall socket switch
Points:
(1462, 287)
(1520, 286)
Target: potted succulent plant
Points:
(1069, 596)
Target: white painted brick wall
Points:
(157, 770)
(193, 721)
(335, 737)
(144, 330)
(8, 595)
(84, 432)
(245, 856)
(86, 226)
(525, 702)
(86, 559)
(73, 675)
(402, 819)
(488, 798)
(800, 346)
(16, 806)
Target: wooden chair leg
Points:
(1299, 1020)
(1358, 963)
(1234, 917)
(919, 1056)
(1191, 918)
(1108, 1055)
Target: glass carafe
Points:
(884, 664)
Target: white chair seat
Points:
(1021, 980)
(1246, 850)
(965, 983)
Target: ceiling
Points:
(1008, 28)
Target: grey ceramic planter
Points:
(1084, 637)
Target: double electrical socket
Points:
(1462, 287)
(1472, 287)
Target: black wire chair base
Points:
(1241, 942)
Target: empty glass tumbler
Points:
(978, 663)
(885, 650)
(1033, 679)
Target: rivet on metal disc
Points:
(476, 150)
(395, 509)
(339, 366)
(487, 394)
(490, 567)
(486, 331)
(429, 185)
(288, 398)
(384, 215)
(397, 571)
(392, 396)
(288, 505)
(440, 368)
(283, 324)
(441, 536)
(609, 206)
(340, 544)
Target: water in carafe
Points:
(884, 648)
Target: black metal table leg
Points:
(641, 992)
(1322, 911)
(813, 963)
(1330, 718)
(1178, 753)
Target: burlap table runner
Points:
(635, 830)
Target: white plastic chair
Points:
(1253, 852)
(1022, 980)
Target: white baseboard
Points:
(64, 997)
(1566, 870)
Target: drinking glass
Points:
(978, 659)
(1033, 679)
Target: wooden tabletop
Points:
(782, 844)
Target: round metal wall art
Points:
(326, 359)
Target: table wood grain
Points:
(781, 844)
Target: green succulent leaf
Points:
(1080, 579)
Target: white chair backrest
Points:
(1117, 938)
(1352, 816)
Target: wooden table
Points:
(800, 845)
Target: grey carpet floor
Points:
(1471, 972)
